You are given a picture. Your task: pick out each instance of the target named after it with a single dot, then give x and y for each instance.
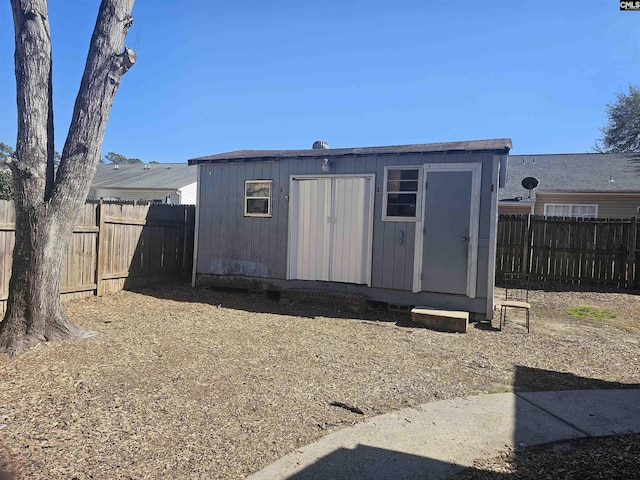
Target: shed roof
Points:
(573, 173)
(502, 145)
(156, 176)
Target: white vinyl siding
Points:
(570, 210)
(187, 194)
(514, 208)
(610, 205)
(401, 194)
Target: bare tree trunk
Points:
(33, 313)
(47, 207)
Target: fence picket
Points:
(107, 254)
(569, 251)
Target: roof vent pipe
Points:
(320, 145)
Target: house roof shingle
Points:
(136, 176)
(573, 173)
(500, 144)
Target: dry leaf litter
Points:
(200, 384)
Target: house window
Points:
(400, 201)
(257, 198)
(568, 210)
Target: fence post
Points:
(527, 245)
(100, 249)
(185, 232)
(633, 255)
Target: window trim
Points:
(571, 206)
(418, 193)
(269, 199)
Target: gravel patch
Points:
(198, 383)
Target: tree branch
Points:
(107, 62)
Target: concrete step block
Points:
(441, 320)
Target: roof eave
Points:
(590, 192)
(117, 187)
(500, 146)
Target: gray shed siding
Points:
(231, 244)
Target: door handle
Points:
(465, 239)
(401, 239)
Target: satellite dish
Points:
(530, 183)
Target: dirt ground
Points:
(197, 383)
(605, 458)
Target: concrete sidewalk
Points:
(439, 439)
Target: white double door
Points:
(330, 228)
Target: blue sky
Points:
(213, 77)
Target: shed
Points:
(406, 225)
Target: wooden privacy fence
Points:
(590, 252)
(115, 245)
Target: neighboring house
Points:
(156, 182)
(586, 185)
(407, 225)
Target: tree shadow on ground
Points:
(375, 463)
(367, 462)
(563, 458)
(530, 379)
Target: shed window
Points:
(257, 198)
(569, 210)
(400, 202)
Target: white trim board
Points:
(196, 228)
